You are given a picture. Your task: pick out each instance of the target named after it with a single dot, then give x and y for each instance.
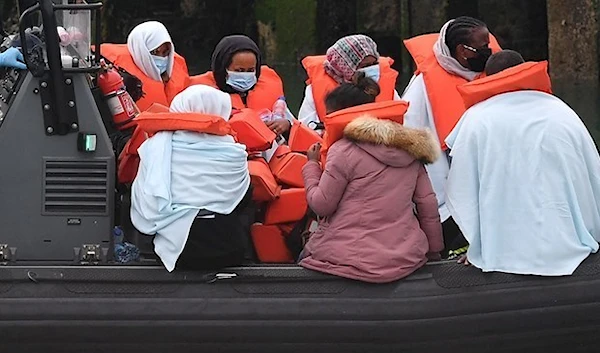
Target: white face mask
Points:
(371, 72)
(162, 63)
(241, 81)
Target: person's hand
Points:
(463, 260)
(279, 126)
(314, 152)
(12, 58)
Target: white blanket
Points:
(524, 185)
(183, 172)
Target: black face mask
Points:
(477, 63)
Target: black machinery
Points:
(58, 166)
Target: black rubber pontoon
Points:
(443, 307)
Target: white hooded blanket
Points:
(183, 172)
(524, 185)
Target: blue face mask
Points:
(161, 63)
(241, 81)
(371, 72)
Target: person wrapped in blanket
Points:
(534, 208)
(192, 190)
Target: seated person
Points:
(453, 57)
(237, 69)
(524, 185)
(350, 54)
(150, 56)
(193, 191)
(372, 179)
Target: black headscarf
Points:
(223, 54)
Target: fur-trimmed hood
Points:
(392, 143)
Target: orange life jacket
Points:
(264, 94)
(336, 122)
(287, 166)
(527, 76)
(154, 91)
(251, 131)
(149, 123)
(446, 104)
(269, 243)
(262, 180)
(290, 206)
(302, 137)
(321, 83)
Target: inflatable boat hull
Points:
(444, 306)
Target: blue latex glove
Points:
(12, 58)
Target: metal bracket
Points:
(90, 254)
(7, 254)
(222, 276)
(52, 125)
(4, 253)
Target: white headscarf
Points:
(445, 59)
(143, 39)
(202, 99)
(183, 172)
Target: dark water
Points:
(583, 97)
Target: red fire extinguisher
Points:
(120, 103)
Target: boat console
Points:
(58, 166)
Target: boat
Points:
(62, 290)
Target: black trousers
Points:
(453, 238)
(222, 241)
